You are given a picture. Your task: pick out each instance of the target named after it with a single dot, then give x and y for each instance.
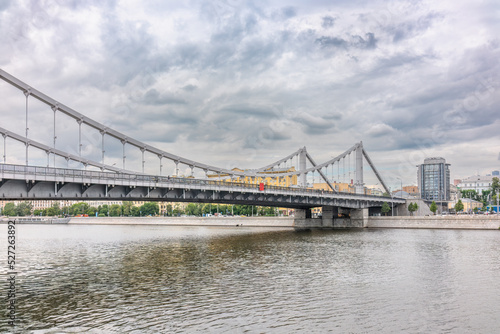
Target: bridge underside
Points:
(81, 191)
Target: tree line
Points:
(127, 209)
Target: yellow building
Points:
(270, 177)
(340, 187)
(469, 205)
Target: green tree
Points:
(103, 210)
(433, 207)
(24, 209)
(495, 186)
(459, 206)
(91, 211)
(169, 209)
(150, 209)
(412, 207)
(470, 193)
(54, 210)
(115, 210)
(135, 211)
(79, 208)
(9, 209)
(193, 209)
(385, 208)
(127, 208)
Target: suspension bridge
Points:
(70, 174)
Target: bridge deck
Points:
(30, 182)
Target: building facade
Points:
(413, 190)
(477, 183)
(434, 179)
(270, 177)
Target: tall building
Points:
(434, 179)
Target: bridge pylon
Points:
(359, 185)
(302, 167)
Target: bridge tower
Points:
(302, 167)
(359, 187)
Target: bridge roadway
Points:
(46, 183)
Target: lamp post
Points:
(392, 203)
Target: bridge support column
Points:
(303, 220)
(328, 215)
(359, 218)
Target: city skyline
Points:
(240, 84)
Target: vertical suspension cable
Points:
(80, 137)
(338, 171)
(55, 137)
(103, 151)
(27, 94)
(349, 167)
(123, 143)
(4, 148)
(343, 168)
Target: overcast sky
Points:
(248, 82)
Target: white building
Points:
(477, 183)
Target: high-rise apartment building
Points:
(434, 179)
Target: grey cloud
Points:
(327, 41)
(313, 125)
(128, 46)
(408, 29)
(153, 97)
(327, 22)
(4, 4)
(189, 88)
(369, 43)
(284, 13)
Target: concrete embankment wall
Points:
(189, 221)
(446, 222)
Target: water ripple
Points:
(137, 279)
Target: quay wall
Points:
(188, 221)
(478, 222)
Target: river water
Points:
(167, 279)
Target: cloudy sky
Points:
(247, 82)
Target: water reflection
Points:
(240, 280)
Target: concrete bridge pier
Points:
(359, 218)
(303, 221)
(330, 214)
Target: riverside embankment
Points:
(475, 222)
(478, 222)
(189, 221)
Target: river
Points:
(171, 279)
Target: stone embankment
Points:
(476, 222)
(189, 221)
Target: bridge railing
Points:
(162, 180)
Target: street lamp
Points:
(401, 186)
(392, 203)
